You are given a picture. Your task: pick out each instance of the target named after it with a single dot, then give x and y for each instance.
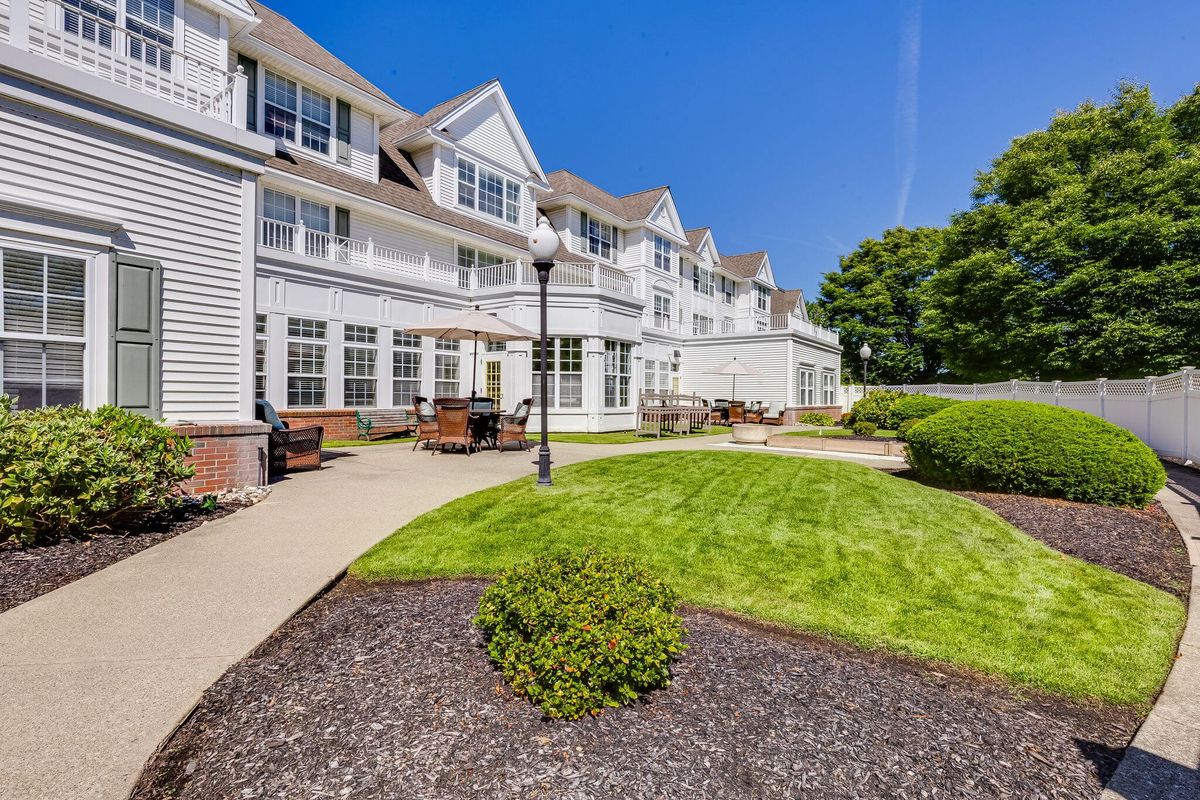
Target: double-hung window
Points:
(488, 191)
(727, 290)
(701, 325)
(315, 217)
(702, 280)
(805, 389)
(315, 120)
(92, 20)
(662, 254)
(601, 237)
(42, 337)
(306, 362)
(280, 208)
(151, 24)
(616, 374)
(260, 356)
(564, 372)
(358, 360)
(406, 368)
(662, 311)
(445, 368)
(828, 389)
(762, 297)
(290, 108)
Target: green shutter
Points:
(135, 352)
(583, 228)
(343, 132)
(341, 222)
(250, 67)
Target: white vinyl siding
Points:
(483, 130)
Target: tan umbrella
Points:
(733, 368)
(475, 326)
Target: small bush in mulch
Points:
(1034, 449)
(865, 429)
(917, 406)
(69, 471)
(578, 633)
(816, 418)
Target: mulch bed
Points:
(1142, 544)
(26, 574)
(385, 691)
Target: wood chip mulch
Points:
(29, 573)
(385, 691)
(1143, 544)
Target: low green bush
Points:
(917, 406)
(877, 406)
(904, 427)
(864, 428)
(1035, 449)
(578, 633)
(67, 471)
(847, 420)
(815, 418)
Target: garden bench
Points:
(384, 421)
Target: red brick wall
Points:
(792, 414)
(230, 455)
(338, 422)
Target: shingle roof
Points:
(695, 236)
(401, 186)
(632, 207)
(399, 130)
(277, 31)
(745, 265)
(783, 301)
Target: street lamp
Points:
(543, 244)
(864, 353)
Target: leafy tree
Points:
(1081, 254)
(877, 297)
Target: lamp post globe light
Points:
(864, 353)
(543, 244)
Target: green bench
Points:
(384, 421)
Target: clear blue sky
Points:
(794, 127)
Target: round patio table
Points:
(485, 424)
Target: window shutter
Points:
(250, 67)
(583, 226)
(135, 353)
(341, 222)
(343, 132)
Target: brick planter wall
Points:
(792, 414)
(338, 422)
(227, 455)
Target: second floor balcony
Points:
(755, 323)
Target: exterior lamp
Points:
(864, 353)
(543, 244)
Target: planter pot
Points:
(750, 434)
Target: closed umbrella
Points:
(473, 325)
(733, 368)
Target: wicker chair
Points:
(754, 411)
(512, 428)
(737, 411)
(454, 423)
(289, 448)
(772, 414)
(427, 421)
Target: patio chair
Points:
(483, 422)
(427, 421)
(289, 448)
(512, 428)
(720, 411)
(754, 411)
(737, 411)
(772, 414)
(454, 423)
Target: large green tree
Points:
(877, 296)
(1081, 254)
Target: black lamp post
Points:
(543, 244)
(864, 353)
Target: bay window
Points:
(359, 366)
(490, 192)
(616, 374)
(600, 236)
(306, 362)
(564, 372)
(406, 368)
(43, 313)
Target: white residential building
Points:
(200, 206)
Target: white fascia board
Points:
(665, 233)
(238, 10)
(578, 203)
(669, 201)
(765, 273)
(36, 218)
(510, 117)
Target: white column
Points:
(239, 96)
(18, 23)
(1187, 394)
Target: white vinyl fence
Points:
(1164, 412)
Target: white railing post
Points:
(1013, 388)
(1057, 392)
(370, 252)
(939, 389)
(301, 243)
(428, 265)
(1149, 405)
(1100, 393)
(238, 112)
(18, 23)
(1186, 374)
(974, 391)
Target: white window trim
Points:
(287, 144)
(505, 175)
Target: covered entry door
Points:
(493, 381)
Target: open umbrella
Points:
(733, 368)
(476, 326)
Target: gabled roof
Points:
(783, 301)
(695, 237)
(431, 117)
(279, 32)
(744, 265)
(631, 207)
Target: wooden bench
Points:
(384, 422)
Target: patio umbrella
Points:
(733, 368)
(476, 326)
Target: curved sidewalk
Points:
(96, 674)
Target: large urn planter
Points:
(748, 433)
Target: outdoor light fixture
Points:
(543, 244)
(864, 353)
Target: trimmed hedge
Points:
(917, 406)
(815, 418)
(904, 427)
(876, 407)
(67, 471)
(580, 632)
(1035, 449)
(864, 428)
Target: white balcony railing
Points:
(302, 240)
(142, 60)
(757, 323)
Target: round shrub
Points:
(847, 420)
(917, 406)
(864, 428)
(67, 471)
(877, 406)
(577, 633)
(816, 418)
(904, 427)
(1035, 449)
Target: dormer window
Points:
(662, 254)
(702, 280)
(287, 105)
(601, 237)
(762, 297)
(727, 290)
(487, 191)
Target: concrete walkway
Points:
(96, 674)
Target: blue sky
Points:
(800, 128)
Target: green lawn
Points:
(835, 432)
(824, 546)
(622, 437)
(364, 443)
